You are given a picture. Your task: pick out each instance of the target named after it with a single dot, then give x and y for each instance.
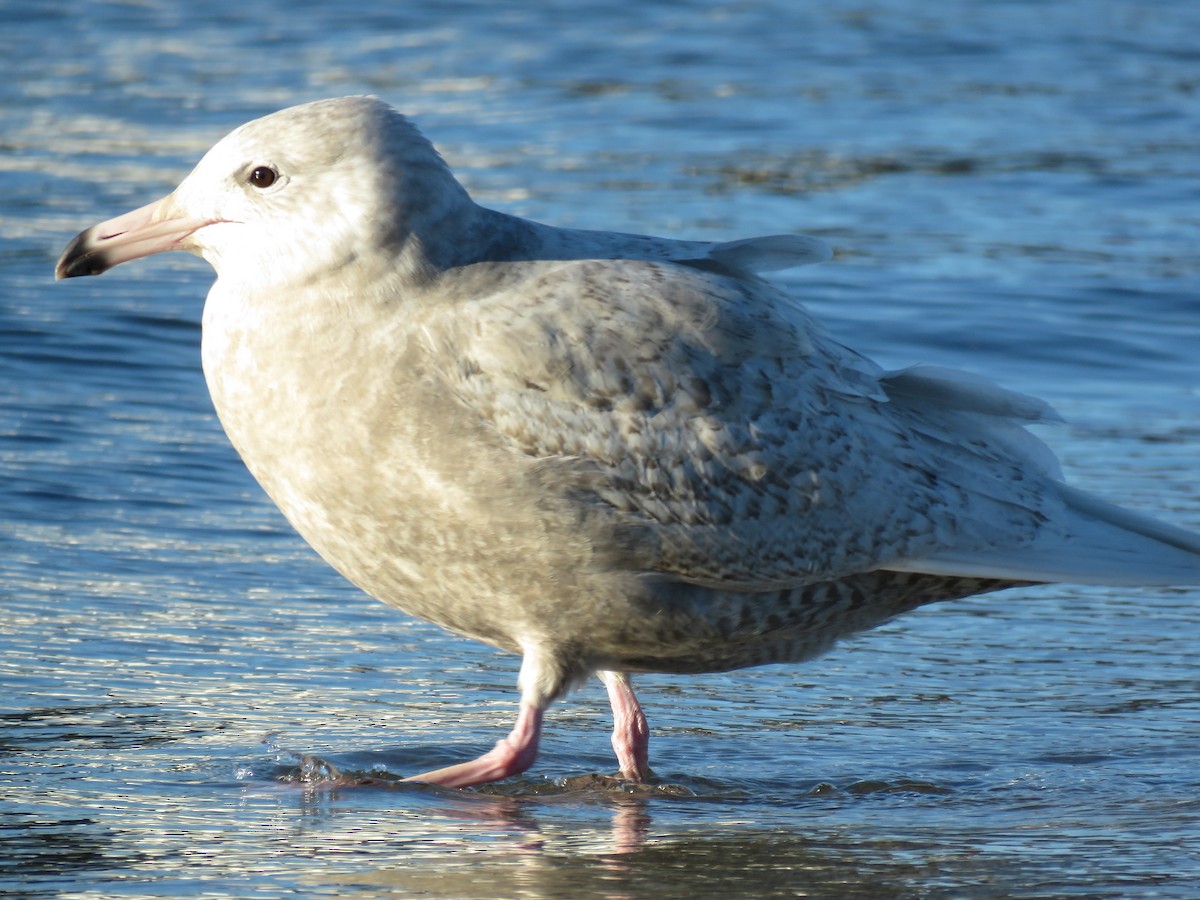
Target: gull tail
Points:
(970, 426)
(1092, 542)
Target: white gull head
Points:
(294, 196)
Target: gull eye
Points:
(263, 176)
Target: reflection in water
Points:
(505, 846)
(540, 839)
(508, 806)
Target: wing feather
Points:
(711, 414)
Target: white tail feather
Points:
(1095, 542)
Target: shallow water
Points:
(192, 704)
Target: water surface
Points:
(192, 703)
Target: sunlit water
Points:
(191, 703)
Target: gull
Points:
(608, 453)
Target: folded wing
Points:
(703, 412)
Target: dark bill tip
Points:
(81, 257)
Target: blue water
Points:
(1011, 188)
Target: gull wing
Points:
(732, 443)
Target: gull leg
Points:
(509, 757)
(541, 680)
(631, 733)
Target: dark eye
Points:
(263, 176)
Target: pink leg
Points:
(631, 733)
(511, 756)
